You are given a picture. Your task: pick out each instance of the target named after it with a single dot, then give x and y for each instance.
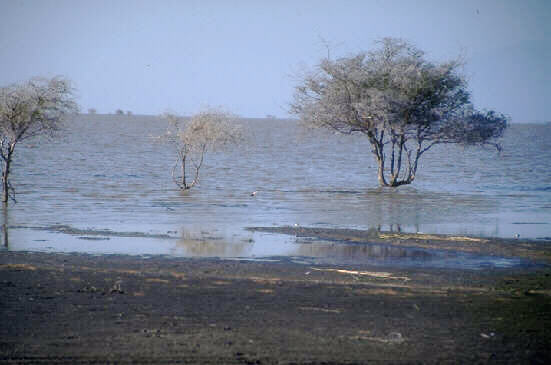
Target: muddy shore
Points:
(75, 308)
(535, 250)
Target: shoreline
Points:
(532, 251)
(84, 308)
(537, 250)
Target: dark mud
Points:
(122, 309)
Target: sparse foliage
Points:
(193, 137)
(401, 102)
(36, 107)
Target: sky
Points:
(182, 56)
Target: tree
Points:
(34, 108)
(119, 112)
(400, 101)
(194, 137)
(92, 111)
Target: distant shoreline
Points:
(258, 118)
(110, 115)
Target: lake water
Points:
(111, 173)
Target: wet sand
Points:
(59, 308)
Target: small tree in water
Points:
(401, 102)
(34, 108)
(194, 137)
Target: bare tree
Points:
(194, 137)
(401, 102)
(36, 107)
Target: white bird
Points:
(517, 236)
(253, 193)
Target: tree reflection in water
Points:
(208, 244)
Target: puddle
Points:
(238, 244)
(312, 252)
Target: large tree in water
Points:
(34, 108)
(400, 101)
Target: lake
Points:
(105, 186)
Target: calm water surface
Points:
(111, 173)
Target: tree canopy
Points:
(193, 137)
(36, 107)
(402, 102)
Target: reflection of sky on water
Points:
(252, 245)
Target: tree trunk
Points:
(5, 182)
(5, 225)
(393, 182)
(396, 163)
(381, 171)
(184, 172)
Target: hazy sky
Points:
(154, 56)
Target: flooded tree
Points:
(27, 110)
(193, 137)
(403, 103)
